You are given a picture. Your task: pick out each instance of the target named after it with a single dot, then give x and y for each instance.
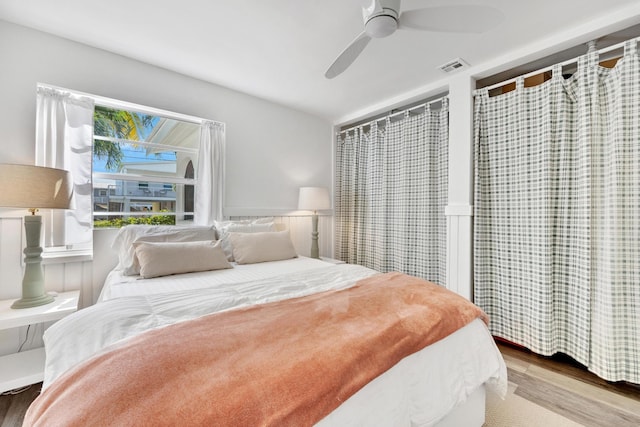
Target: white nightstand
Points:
(27, 367)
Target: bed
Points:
(89, 353)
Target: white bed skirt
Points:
(468, 414)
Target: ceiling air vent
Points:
(454, 64)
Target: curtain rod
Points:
(562, 64)
(415, 107)
(115, 103)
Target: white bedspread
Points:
(419, 390)
(75, 338)
(117, 285)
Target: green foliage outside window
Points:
(147, 220)
(116, 124)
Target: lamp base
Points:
(315, 252)
(33, 293)
(33, 302)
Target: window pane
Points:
(116, 203)
(141, 127)
(125, 140)
(152, 155)
(139, 160)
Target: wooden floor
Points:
(556, 383)
(14, 406)
(563, 386)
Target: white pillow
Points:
(127, 235)
(250, 248)
(164, 258)
(242, 226)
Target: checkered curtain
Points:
(557, 215)
(391, 192)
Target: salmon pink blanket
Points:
(287, 363)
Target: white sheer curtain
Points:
(209, 198)
(64, 140)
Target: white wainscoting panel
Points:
(104, 258)
(300, 228)
(59, 276)
(11, 246)
(459, 252)
(70, 276)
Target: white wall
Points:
(271, 150)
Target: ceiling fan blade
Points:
(348, 55)
(452, 19)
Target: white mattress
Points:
(117, 285)
(419, 391)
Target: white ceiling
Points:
(280, 49)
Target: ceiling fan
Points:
(383, 17)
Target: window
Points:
(142, 167)
(140, 160)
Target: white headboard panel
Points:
(300, 228)
(104, 258)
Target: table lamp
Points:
(34, 187)
(314, 199)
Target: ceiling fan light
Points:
(381, 26)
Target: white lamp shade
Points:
(25, 186)
(313, 199)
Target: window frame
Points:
(143, 178)
(64, 254)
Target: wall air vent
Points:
(454, 64)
